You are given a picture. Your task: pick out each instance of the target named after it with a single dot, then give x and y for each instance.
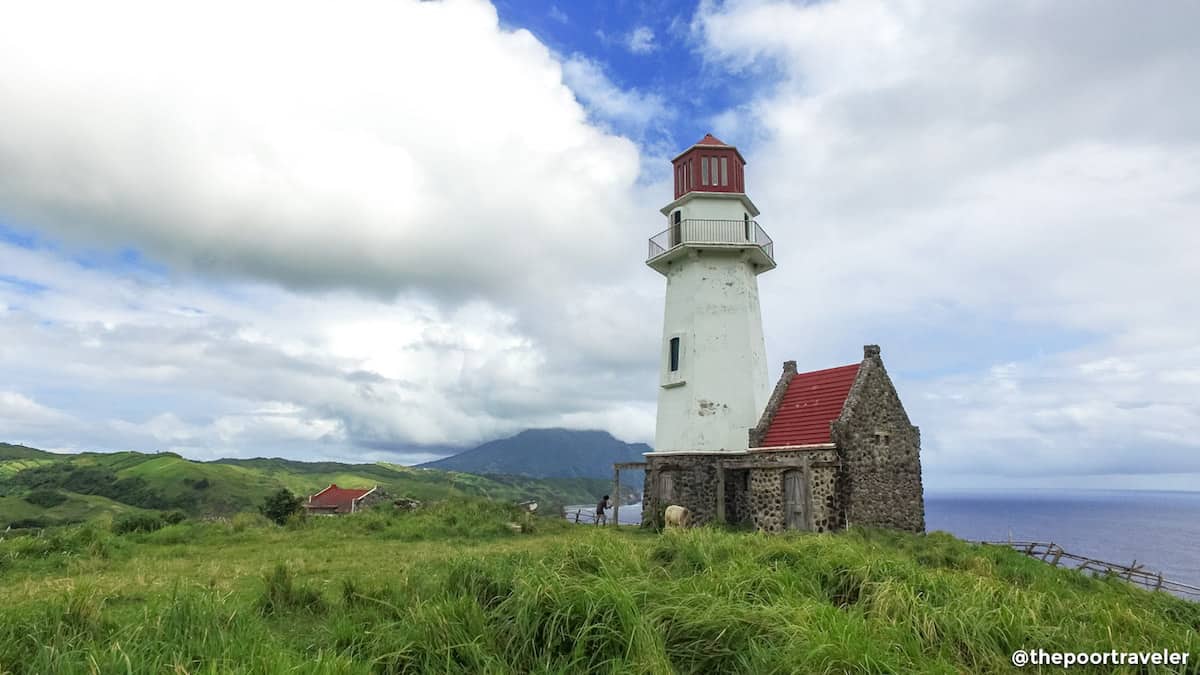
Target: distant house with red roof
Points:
(833, 448)
(335, 500)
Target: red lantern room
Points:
(709, 166)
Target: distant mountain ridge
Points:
(549, 453)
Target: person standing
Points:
(601, 517)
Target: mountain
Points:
(546, 453)
(40, 488)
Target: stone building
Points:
(823, 450)
(833, 448)
(336, 501)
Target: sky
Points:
(390, 229)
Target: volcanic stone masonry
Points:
(869, 473)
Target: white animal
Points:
(677, 516)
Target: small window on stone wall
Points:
(882, 438)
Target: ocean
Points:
(1160, 530)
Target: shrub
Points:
(282, 593)
(28, 524)
(80, 613)
(45, 498)
(245, 520)
(59, 544)
(462, 518)
(297, 521)
(280, 506)
(174, 517)
(137, 522)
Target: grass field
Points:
(451, 588)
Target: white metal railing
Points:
(708, 231)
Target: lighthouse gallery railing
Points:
(706, 231)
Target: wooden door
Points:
(795, 501)
(666, 487)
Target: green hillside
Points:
(76, 508)
(9, 467)
(9, 451)
(108, 483)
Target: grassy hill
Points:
(75, 508)
(9, 451)
(451, 588)
(112, 483)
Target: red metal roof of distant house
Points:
(334, 496)
(709, 139)
(811, 402)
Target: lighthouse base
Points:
(770, 489)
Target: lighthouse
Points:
(713, 378)
(815, 452)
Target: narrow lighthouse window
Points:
(674, 354)
(704, 171)
(713, 161)
(724, 172)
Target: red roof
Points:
(335, 497)
(811, 402)
(709, 139)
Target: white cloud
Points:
(640, 40)
(1002, 195)
(429, 220)
(1063, 415)
(18, 411)
(254, 370)
(628, 107)
(363, 148)
(1005, 191)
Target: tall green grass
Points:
(452, 588)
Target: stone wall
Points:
(372, 498)
(870, 475)
(753, 496)
(880, 475)
(694, 485)
(767, 486)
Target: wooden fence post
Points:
(616, 495)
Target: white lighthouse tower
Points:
(713, 379)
